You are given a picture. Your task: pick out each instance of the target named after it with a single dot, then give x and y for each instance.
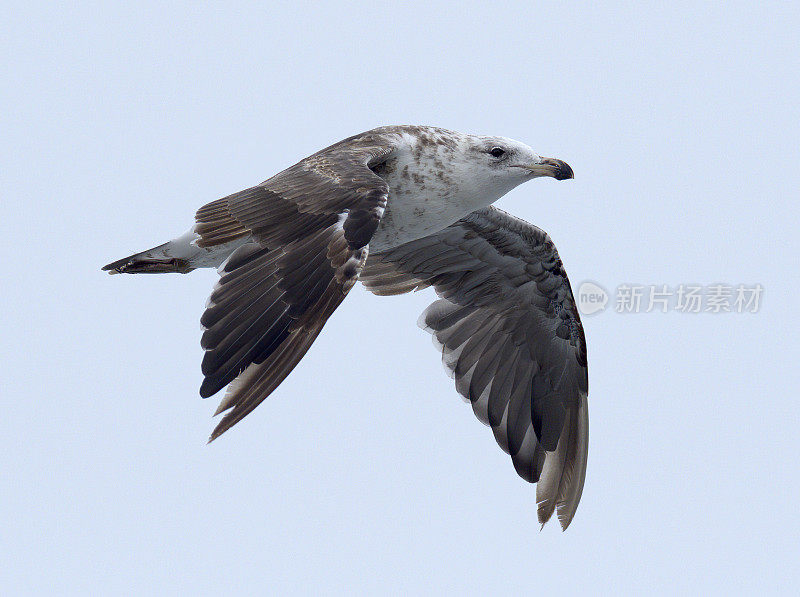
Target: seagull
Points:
(401, 208)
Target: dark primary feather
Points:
(307, 230)
(511, 336)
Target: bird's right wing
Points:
(308, 229)
(511, 336)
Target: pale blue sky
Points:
(365, 471)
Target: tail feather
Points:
(178, 256)
(153, 261)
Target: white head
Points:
(498, 164)
(436, 177)
(482, 168)
(505, 157)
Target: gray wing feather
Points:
(510, 334)
(305, 233)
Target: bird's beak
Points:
(558, 169)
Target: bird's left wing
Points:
(510, 334)
(306, 233)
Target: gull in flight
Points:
(400, 208)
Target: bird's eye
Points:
(497, 152)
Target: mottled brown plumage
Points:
(308, 229)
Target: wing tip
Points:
(565, 515)
(221, 428)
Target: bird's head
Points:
(492, 166)
(507, 159)
(477, 169)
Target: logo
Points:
(591, 298)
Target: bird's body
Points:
(401, 208)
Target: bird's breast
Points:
(422, 201)
(412, 214)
